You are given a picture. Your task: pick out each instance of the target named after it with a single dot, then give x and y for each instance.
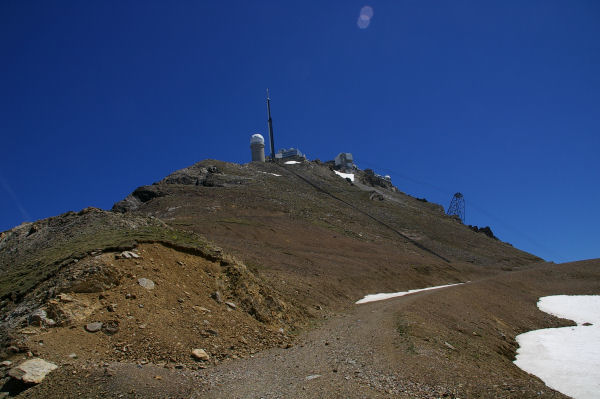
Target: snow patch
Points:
(381, 297)
(567, 359)
(291, 162)
(267, 173)
(345, 175)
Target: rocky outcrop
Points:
(32, 371)
(199, 174)
(139, 196)
(485, 230)
(369, 178)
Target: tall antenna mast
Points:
(270, 127)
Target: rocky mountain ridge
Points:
(289, 245)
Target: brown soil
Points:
(321, 240)
(164, 324)
(309, 245)
(390, 349)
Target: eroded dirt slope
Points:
(318, 237)
(445, 343)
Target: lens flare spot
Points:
(364, 18)
(367, 11)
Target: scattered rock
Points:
(130, 296)
(200, 354)
(376, 196)
(449, 346)
(32, 371)
(40, 318)
(93, 327)
(146, 283)
(208, 332)
(73, 355)
(111, 327)
(65, 298)
(112, 307)
(127, 255)
(485, 230)
(587, 324)
(216, 296)
(312, 377)
(231, 305)
(6, 363)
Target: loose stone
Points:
(200, 354)
(93, 327)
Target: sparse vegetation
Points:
(100, 231)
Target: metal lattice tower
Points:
(457, 207)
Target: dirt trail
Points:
(366, 353)
(345, 357)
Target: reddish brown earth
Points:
(306, 245)
(388, 349)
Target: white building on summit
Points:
(344, 162)
(257, 145)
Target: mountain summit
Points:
(228, 280)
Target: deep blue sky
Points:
(497, 99)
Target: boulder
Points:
(32, 371)
(40, 318)
(200, 354)
(93, 327)
(146, 283)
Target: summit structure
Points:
(257, 146)
(270, 122)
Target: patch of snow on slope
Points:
(567, 359)
(291, 162)
(345, 175)
(381, 297)
(267, 173)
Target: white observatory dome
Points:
(257, 138)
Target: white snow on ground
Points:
(272, 174)
(291, 162)
(381, 297)
(567, 359)
(345, 175)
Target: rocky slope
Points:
(330, 240)
(139, 290)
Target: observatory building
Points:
(290, 154)
(257, 145)
(344, 161)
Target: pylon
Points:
(457, 207)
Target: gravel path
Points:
(347, 357)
